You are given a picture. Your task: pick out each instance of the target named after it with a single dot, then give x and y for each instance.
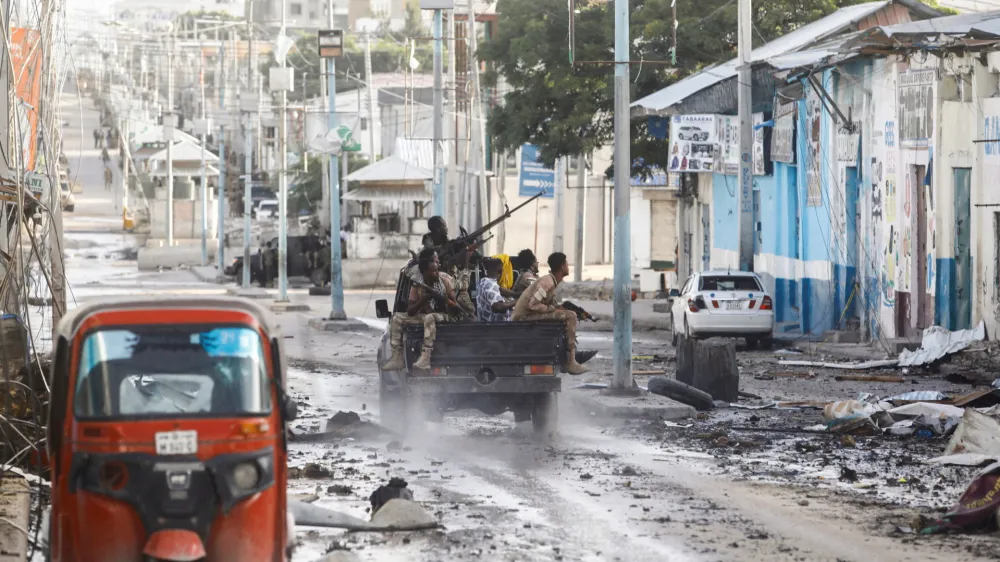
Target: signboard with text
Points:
(694, 143)
(533, 175)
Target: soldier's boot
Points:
(395, 363)
(571, 366)
(424, 362)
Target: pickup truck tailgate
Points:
(466, 344)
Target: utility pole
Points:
(438, 115)
(126, 151)
(282, 177)
(622, 356)
(745, 41)
(248, 148)
(581, 216)
(220, 230)
(336, 277)
(480, 122)
(559, 202)
(371, 96)
(204, 176)
(170, 142)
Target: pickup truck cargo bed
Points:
(496, 344)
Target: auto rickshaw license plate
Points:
(176, 442)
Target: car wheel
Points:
(70, 208)
(238, 274)
(687, 329)
(673, 338)
(752, 342)
(766, 342)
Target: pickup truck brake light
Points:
(538, 370)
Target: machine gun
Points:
(457, 245)
(443, 300)
(580, 312)
(455, 259)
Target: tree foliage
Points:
(307, 192)
(567, 109)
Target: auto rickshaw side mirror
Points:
(290, 409)
(382, 309)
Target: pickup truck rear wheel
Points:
(545, 414)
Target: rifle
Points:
(580, 312)
(467, 239)
(438, 297)
(455, 258)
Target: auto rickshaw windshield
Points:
(171, 371)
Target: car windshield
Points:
(729, 283)
(155, 371)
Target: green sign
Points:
(347, 142)
(37, 183)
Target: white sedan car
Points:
(724, 304)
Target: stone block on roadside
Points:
(279, 306)
(403, 514)
(15, 508)
(248, 293)
(709, 366)
(347, 325)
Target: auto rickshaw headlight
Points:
(246, 476)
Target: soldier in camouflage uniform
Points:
(423, 308)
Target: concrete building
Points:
(812, 191)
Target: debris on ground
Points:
(681, 392)
(976, 508)
(340, 490)
(975, 442)
(403, 514)
(341, 420)
(395, 489)
(315, 471)
(938, 342)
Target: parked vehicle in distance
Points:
(724, 304)
(66, 197)
(259, 192)
(692, 134)
(265, 209)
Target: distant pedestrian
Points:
(109, 138)
(108, 177)
(97, 138)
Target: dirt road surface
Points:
(599, 489)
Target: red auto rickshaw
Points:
(166, 434)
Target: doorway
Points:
(924, 206)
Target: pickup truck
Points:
(491, 367)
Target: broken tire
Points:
(681, 392)
(545, 414)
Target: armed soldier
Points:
(538, 303)
(431, 301)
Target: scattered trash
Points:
(788, 351)
(316, 471)
(975, 378)
(938, 342)
(983, 398)
(927, 409)
(976, 507)
(395, 489)
(586, 476)
(669, 423)
(340, 490)
(869, 378)
(976, 441)
(858, 424)
(848, 441)
(857, 366)
(918, 396)
(398, 518)
(341, 420)
(681, 392)
(403, 513)
(848, 474)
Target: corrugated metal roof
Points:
(937, 30)
(184, 151)
(661, 102)
(391, 169)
